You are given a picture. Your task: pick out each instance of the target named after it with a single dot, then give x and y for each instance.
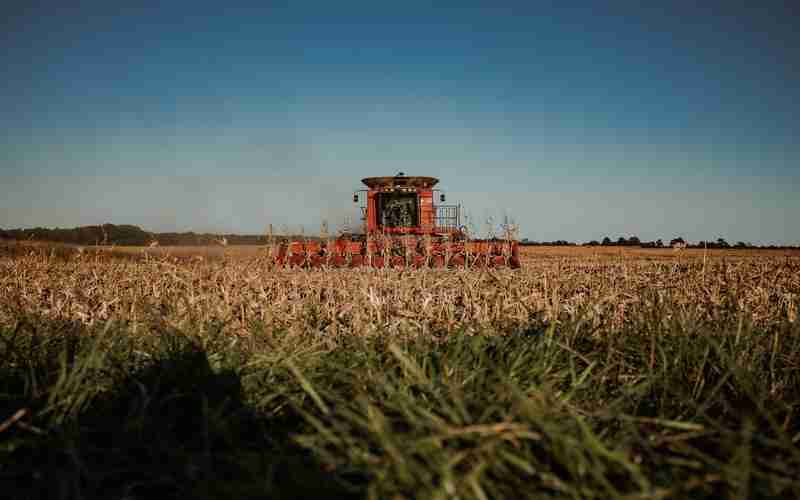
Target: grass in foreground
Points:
(659, 409)
(575, 377)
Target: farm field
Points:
(191, 372)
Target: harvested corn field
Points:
(240, 291)
(181, 372)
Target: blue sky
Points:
(576, 119)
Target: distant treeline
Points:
(126, 235)
(634, 241)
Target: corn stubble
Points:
(579, 376)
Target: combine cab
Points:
(404, 227)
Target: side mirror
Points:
(441, 197)
(355, 198)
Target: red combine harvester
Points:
(403, 228)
